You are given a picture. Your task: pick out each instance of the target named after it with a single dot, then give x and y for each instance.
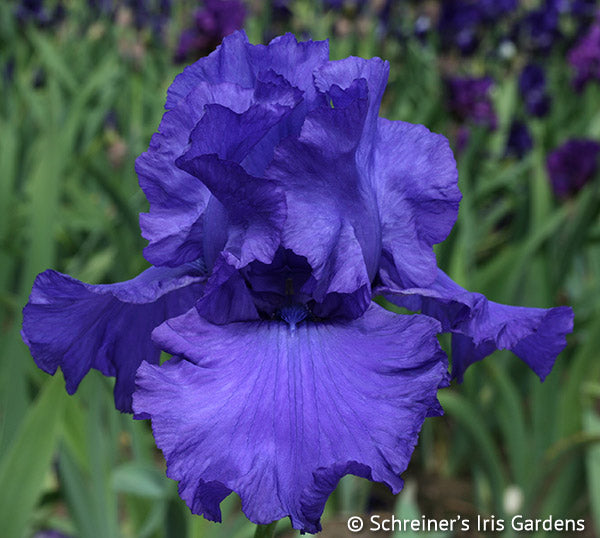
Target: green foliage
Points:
(28, 460)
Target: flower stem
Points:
(265, 531)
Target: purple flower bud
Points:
(519, 140)
(539, 29)
(532, 84)
(572, 165)
(458, 25)
(559, 6)
(492, 10)
(469, 99)
(34, 11)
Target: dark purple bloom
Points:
(519, 140)
(491, 10)
(559, 6)
(34, 11)
(585, 57)
(583, 8)
(572, 165)
(340, 4)
(469, 100)
(214, 21)
(539, 29)
(153, 14)
(458, 25)
(280, 203)
(532, 84)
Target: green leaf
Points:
(265, 531)
(140, 479)
(474, 426)
(591, 423)
(28, 459)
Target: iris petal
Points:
(278, 415)
(480, 326)
(416, 180)
(183, 221)
(331, 210)
(237, 61)
(342, 74)
(79, 326)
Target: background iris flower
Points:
(281, 204)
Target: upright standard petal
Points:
(331, 209)
(279, 413)
(256, 209)
(184, 222)
(237, 61)
(79, 326)
(187, 218)
(416, 181)
(480, 326)
(343, 73)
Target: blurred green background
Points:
(82, 90)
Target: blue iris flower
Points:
(280, 205)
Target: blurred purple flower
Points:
(559, 6)
(584, 8)
(216, 20)
(572, 165)
(585, 57)
(469, 99)
(340, 4)
(458, 25)
(539, 29)
(491, 10)
(532, 84)
(153, 14)
(35, 12)
(519, 141)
